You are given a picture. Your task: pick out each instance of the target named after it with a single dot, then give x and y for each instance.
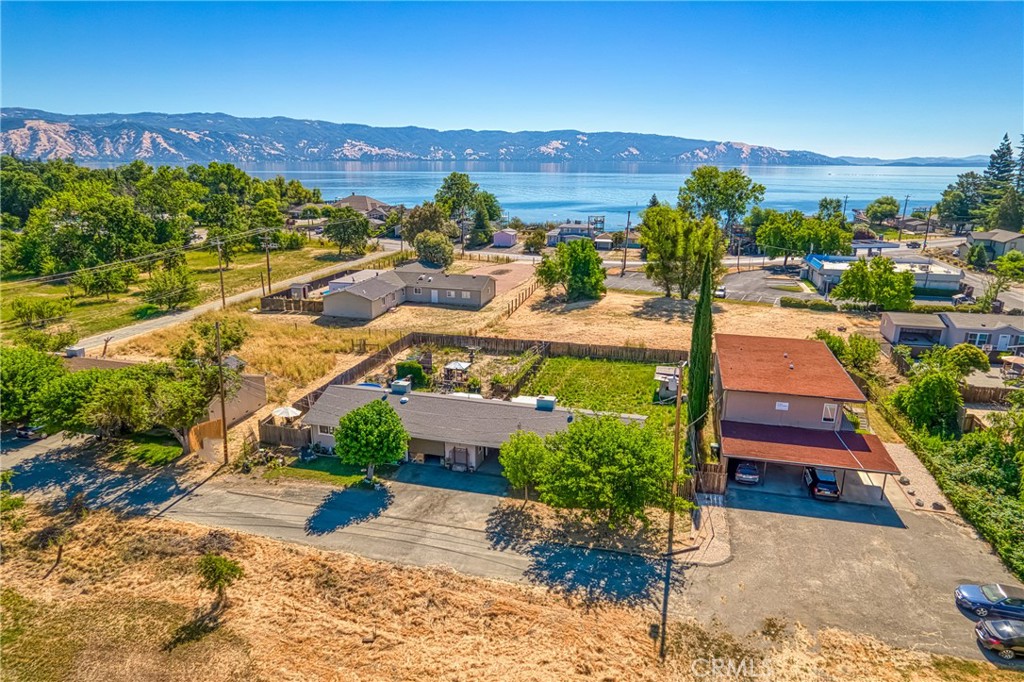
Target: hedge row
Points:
(998, 519)
(813, 304)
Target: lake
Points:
(541, 192)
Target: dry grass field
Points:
(124, 603)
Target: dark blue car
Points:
(995, 601)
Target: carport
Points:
(787, 446)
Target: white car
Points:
(720, 292)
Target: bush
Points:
(411, 368)
(823, 306)
(291, 241)
(434, 247)
(474, 385)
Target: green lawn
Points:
(325, 470)
(604, 385)
(94, 315)
(795, 288)
(150, 449)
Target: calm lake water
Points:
(541, 192)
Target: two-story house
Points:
(995, 242)
(785, 403)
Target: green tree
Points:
(931, 400)
(456, 193)
(830, 208)
(1007, 269)
(835, 343)
(370, 435)
(116, 404)
(1001, 168)
(47, 341)
(855, 283)
(959, 361)
(961, 201)
(171, 289)
(607, 467)
(653, 202)
(217, 573)
(890, 290)
(661, 234)
(482, 232)
(977, 256)
(349, 229)
(266, 214)
(23, 374)
(700, 358)
(226, 223)
(433, 247)
(488, 203)
(427, 217)
(535, 241)
(1007, 214)
(311, 213)
(577, 267)
(779, 235)
(39, 312)
(178, 404)
(522, 458)
(723, 195)
(57, 406)
(414, 370)
(861, 352)
(882, 209)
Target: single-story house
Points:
(295, 212)
(460, 432)
(507, 237)
(369, 296)
(363, 204)
(920, 331)
(995, 242)
(603, 241)
(825, 271)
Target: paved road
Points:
(180, 316)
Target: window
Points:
(828, 415)
(465, 294)
(978, 338)
(326, 430)
(449, 293)
(781, 406)
(417, 290)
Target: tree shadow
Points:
(343, 508)
(204, 622)
(665, 309)
(560, 305)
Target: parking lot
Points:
(768, 285)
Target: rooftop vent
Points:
(791, 365)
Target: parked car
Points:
(963, 299)
(1004, 637)
(913, 245)
(1001, 601)
(747, 472)
(821, 483)
(720, 292)
(30, 432)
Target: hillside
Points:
(200, 138)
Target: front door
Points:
(433, 295)
(1004, 342)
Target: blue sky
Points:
(884, 79)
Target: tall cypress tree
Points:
(700, 355)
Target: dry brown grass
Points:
(656, 322)
(123, 605)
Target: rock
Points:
(919, 503)
(938, 506)
(904, 480)
(910, 491)
(369, 639)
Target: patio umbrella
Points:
(286, 412)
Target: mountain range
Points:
(201, 138)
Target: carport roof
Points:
(806, 447)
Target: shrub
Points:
(411, 368)
(290, 241)
(791, 302)
(474, 385)
(434, 247)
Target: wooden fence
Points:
(986, 394)
(521, 298)
(201, 431)
(711, 477)
(279, 304)
(296, 437)
(356, 372)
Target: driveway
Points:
(884, 571)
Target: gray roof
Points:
(508, 230)
(433, 278)
(373, 287)
(448, 418)
(916, 320)
(357, 276)
(979, 321)
(1000, 236)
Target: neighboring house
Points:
(250, 396)
(295, 212)
(571, 230)
(364, 205)
(783, 401)
(506, 238)
(825, 272)
(920, 331)
(603, 241)
(459, 432)
(995, 242)
(363, 296)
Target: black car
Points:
(30, 432)
(998, 601)
(913, 245)
(1004, 637)
(821, 483)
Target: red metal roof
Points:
(763, 364)
(807, 447)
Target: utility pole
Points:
(223, 410)
(899, 235)
(669, 551)
(927, 226)
(625, 245)
(265, 239)
(220, 269)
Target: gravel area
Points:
(922, 485)
(712, 536)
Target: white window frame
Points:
(978, 336)
(325, 430)
(466, 294)
(825, 409)
(417, 290)
(449, 293)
